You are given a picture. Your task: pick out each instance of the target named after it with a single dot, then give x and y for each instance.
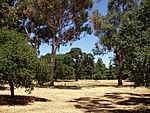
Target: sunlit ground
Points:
(84, 96)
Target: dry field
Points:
(84, 96)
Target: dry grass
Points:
(85, 96)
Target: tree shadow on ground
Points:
(107, 85)
(20, 100)
(119, 111)
(4, 88)
(134, 99)
(114, 103)
(67, 87)
(65, 81)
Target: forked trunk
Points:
(55, 46)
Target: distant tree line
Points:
(79, 65)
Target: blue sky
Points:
(87, 43)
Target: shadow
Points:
(92, 104)
(132, 94)
(114, 103)
(4, 88)
(20, 100)
(134, 99)
(107, 85)
(65, 81)
(112, 96)
(118, 111)
(67, 87)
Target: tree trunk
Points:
(52, 72)
(76, 77)
(55, 78)
(11, 84)
(120, 78)
(120, 70)
(55, 46)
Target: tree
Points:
(62, 69)
(59, 22)
(110, 71)
(16, 60)
(88, 65)
(42, 71)
(100, 70)
(135, 28)
(75, 61)
(108, 27)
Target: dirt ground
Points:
(84, 96)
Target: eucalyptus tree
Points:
(60, 22)
(108, 28)
(17, 60)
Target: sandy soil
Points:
(85, 96)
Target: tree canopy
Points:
(17, 60)
(125, 31)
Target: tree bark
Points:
(76, 77)
(120, 78)
(55, 45)
(11, 84)
(120, 70)
(52, 70)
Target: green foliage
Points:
(87, 66)
(99, 70)
(42, 71)
(137, 30)
(64, 72)
(125, 30)
(17, 59)
(111, 72)
(75, 61)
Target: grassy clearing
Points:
(84, 96)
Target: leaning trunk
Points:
(11, 84)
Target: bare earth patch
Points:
(84, 96)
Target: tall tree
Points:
(16, 60)
(64, 20)
(135, 28)
(107, 28)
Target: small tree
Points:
(100, 70)
(87, 65)
(16, 60)
(75, 60)
(42, 71)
